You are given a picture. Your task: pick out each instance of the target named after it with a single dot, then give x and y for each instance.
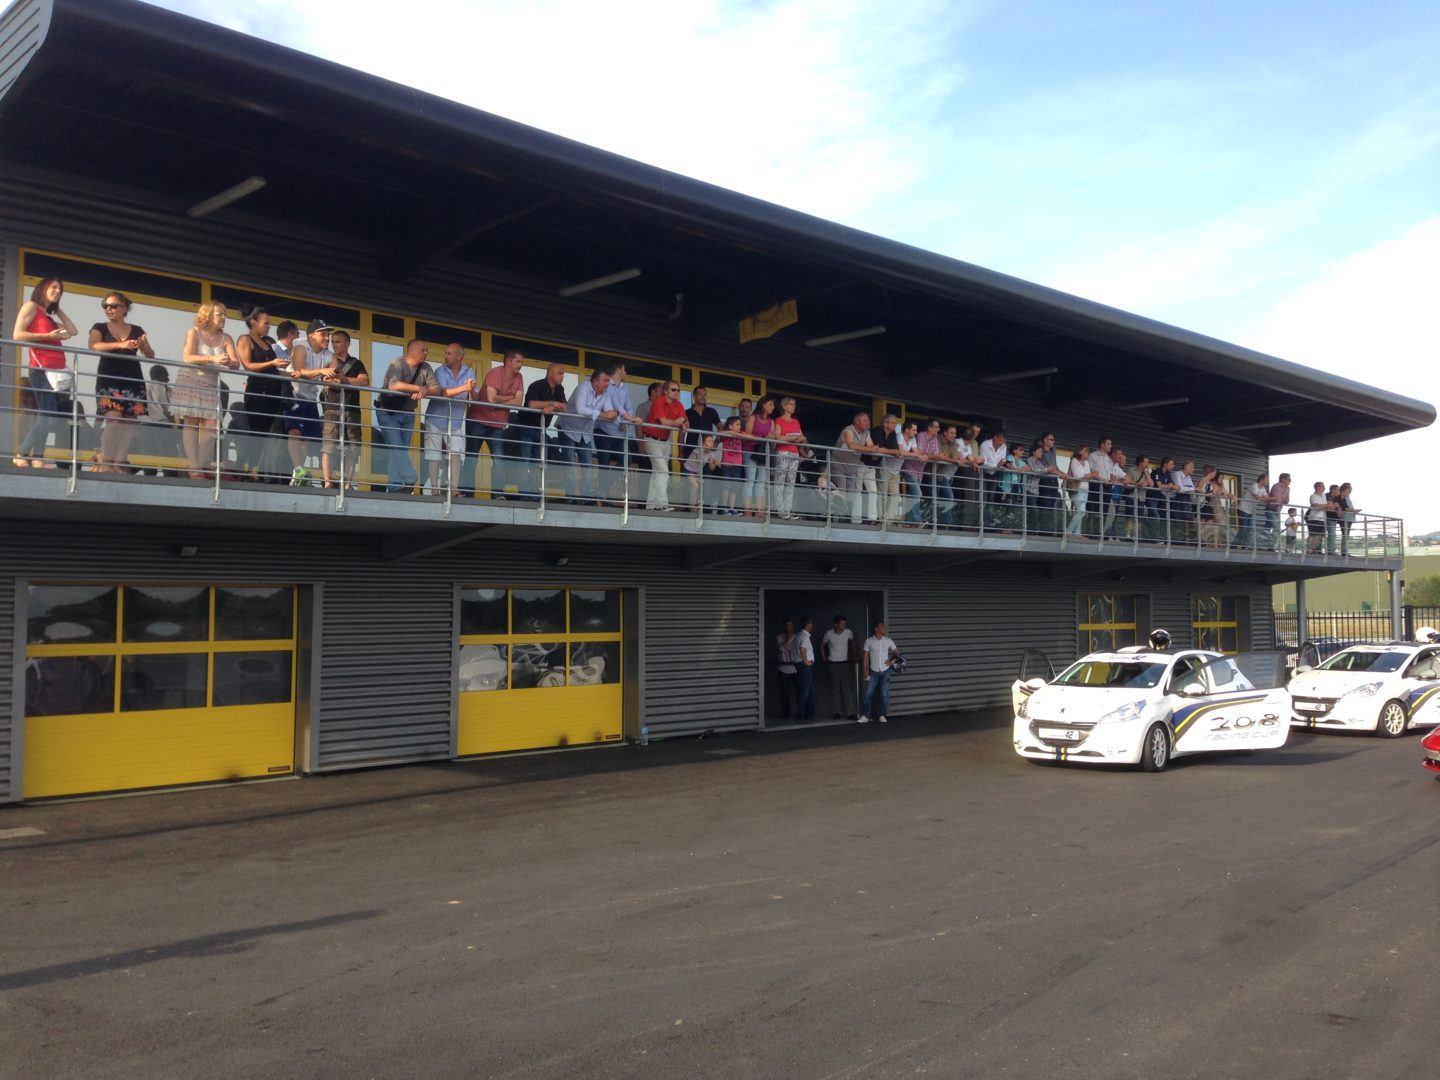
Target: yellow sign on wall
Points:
(769, 322)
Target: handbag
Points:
(62, 380)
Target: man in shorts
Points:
(309, 367)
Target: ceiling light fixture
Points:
(600, 282)
(1157, 403)
(1261, 425)
(231, 194)
(849, 335)
(1016, 376)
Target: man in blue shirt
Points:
(576, 427)
(611, 435)
(445, 417)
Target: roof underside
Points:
(422, 178)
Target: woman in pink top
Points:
(41, 322)
(733, 446)
(787, 459)
(761, 426)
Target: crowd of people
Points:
(303, 392)
(797, 660)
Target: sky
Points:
(1266, 173)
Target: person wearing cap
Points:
(408, 381)
(311, 363)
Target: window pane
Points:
(69, 685)
(537, 665)
(1099, 610)
(1124, 609)
(254, 614)
(483, 611)
(483, 667)
(171, 613)
(70, 614)
(252, 678)
(162, 682)
(1230, 608)
(593, 611)
(594, 662)
(1124, 638)
(1101, 641)
(538, 611)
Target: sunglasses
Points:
(113, 307)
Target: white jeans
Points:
(659, 452)
(862, 493)
(787, 466)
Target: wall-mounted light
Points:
(1016, 376)
(1261, 425)
(830, 568)
(849, 335)
(560, 560)
(245, 187)
(188, 551)
(1156, 403)
(600, 282)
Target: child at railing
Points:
(732, 463)
(1292, 530)
(704, 461)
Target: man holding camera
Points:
(879, 660)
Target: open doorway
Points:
(859, 607)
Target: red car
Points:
(1431, 745)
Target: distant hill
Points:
(1426, 539)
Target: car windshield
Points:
(1364, 660)
(1132, 673)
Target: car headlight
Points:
(1131, 711)
(1370, 689)
(1025, 708)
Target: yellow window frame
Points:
(565, 638)
(1112, 626)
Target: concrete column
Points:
(1302, 614)
(1397, 617)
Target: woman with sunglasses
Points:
(120, 396)
(665, 416)
(40, 323)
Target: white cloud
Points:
(1372, 316)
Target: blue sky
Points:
(1263, 172)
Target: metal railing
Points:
(203, 427)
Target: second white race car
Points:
(1387, 689)
(1144, 708)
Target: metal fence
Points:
(1372, 625)
(372, 442)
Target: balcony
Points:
(977, 516)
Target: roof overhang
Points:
(423, 177)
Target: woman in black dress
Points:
(266, 395)
(119, 381)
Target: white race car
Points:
(1145, 707)
(1387, 689)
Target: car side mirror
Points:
(1190, 688)
(1300, 669)
(1034, 684)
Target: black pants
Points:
(789, 694)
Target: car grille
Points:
(1081, 728)
(1312, 708)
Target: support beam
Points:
(705, 558)
(1090, 570)
(1397, 616)
(906, 567)
(1302, 614)
(422, 542)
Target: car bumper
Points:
(1362, 715)
(1110, 743)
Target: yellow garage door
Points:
(539, 668)
(133, 686)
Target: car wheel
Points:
(1393, 721)
(1155, 751)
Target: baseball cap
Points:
(316, 325)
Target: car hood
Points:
(1331, 684)
(1083, 703)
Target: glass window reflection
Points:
(167, 613)
(70, 614)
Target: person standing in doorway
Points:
(877, 661)
(785, 667)
(839, 645)
(804, 652)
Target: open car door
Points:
(1035, 671)
(1236, 702)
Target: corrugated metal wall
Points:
(123, 227)
(9, 678)
(22, 29)
(387, 625)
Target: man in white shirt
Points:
(838, 643)
(785, 667)
(877, 660)
(1103, 471)
(993, 452)
(804, 652)
(576, 425)
(1315, 518)
(310, 365)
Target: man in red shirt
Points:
(489, 425)
(665, 416)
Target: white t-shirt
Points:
(1104, 469)
(878, 650)
(1316, 516)
(1078, 469)
(993, 456)
(837, 646)
(787, 654)
(309, 389)
(804, 648)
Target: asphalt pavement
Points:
(845, 902)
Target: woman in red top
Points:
(42, 322)
(787, 459)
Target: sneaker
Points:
(300, 477)
(883, 720)
(862, 720)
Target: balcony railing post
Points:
(74, 370)
(219, 423)
(544, 458)
(340, 495)
(769, 493)
(625, 475)
(700, 484)
(448, 452)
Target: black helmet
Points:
(1159, 640)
